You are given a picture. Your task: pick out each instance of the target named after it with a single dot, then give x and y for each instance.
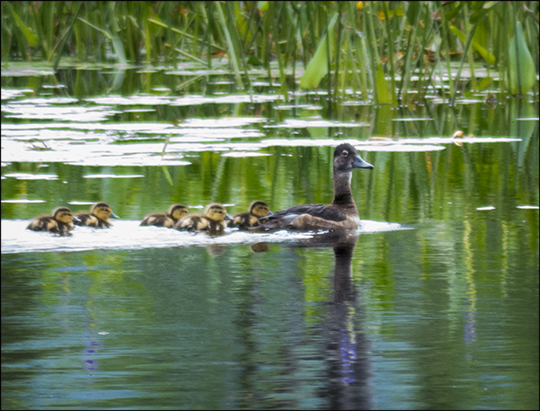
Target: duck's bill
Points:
(359, 162)
(228, 217)
(114, 215)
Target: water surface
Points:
(432, 304)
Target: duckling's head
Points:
(103, 211)
(178, 211)
(64, 215)
(259, 208)
(346, 159)
(216, 212)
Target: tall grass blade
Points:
(318, 66)
(232, 53)
(31, 38)
(522, 70)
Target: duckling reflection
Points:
(257, 210)
(211, 221)
(175, 213)
(98, 217)
(60, 222)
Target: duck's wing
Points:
(283, 218)
(326, 212)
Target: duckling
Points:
(60, 222)
(341, 214)
(212, 220)
(257, 210)
(169, 219)
(98, 216)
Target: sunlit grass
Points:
(375, 48)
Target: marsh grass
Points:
(379, 50)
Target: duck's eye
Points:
(344, 153)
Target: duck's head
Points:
(346, 159)
(103, 211)
(178, 211)
(64, 215)
(216, 212)
(260, 209)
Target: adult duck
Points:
(342, 214)
(257, 210)
(60, 222)
(213, 220)
(176, 212)
(98, 217)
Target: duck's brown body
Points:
(213, 220)
(342, 214)
(257, 210)
(60, 222)
(98, 217)
(176, 212)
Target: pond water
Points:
(432, 304)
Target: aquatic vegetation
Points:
(380, 50)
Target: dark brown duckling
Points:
(98, 217)
(342, 214)
(176, 212)
(212, 220)
(61, 221)
(257, 210)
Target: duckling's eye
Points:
(344, 153)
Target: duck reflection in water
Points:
(347, 377)
(348, 348)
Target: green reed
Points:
(380, 50)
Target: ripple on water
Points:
(126, 234)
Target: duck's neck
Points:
(342, 192)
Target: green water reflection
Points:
(444, 315)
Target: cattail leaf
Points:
(520, 82)
(318, 66)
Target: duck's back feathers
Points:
(245, 220)
(60, 222)
(98, 217)
(257, 210)
(198, 222)
(158, 220)
(326, 212)
(212, 220)
(90, 220)
(169, 219)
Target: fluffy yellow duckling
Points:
(257, 210)
(61, 221)
(176, 212)
(98, 217)
(212, 220)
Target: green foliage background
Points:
(382, 45)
